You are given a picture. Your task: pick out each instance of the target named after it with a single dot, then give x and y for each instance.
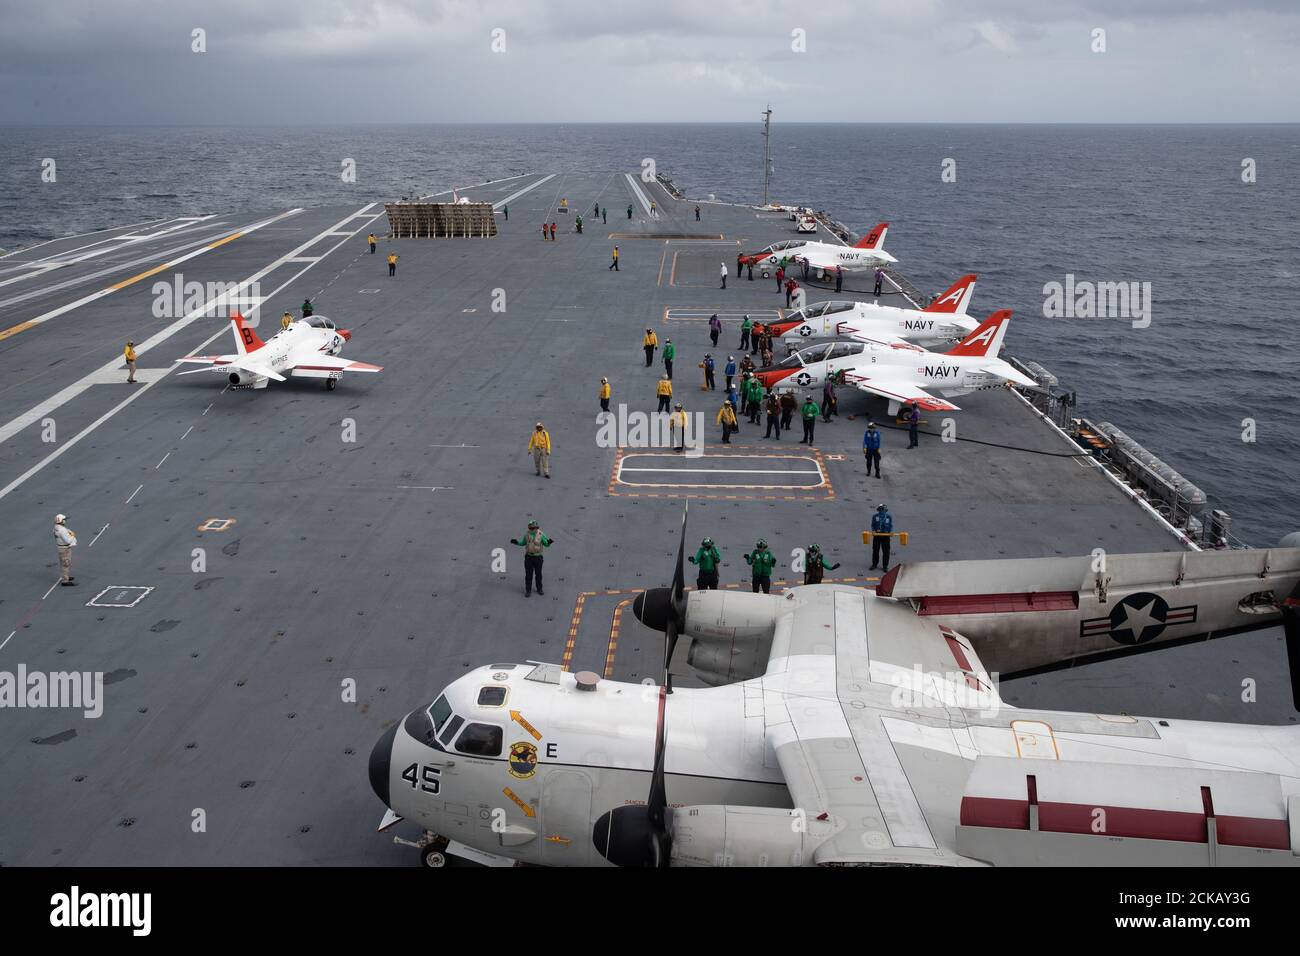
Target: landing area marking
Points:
(741, 472)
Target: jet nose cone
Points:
(380, 758)
(345, 335)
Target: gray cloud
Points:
(347, 61)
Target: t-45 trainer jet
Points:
(307, 348)
(944, 319)
(823, 256)
(901, 372)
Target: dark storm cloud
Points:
(319, 61)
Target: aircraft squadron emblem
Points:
(523, 760)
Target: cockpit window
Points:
(480, 740)
(491, 696)
(790, 361)
(815, 354)
(842, 350)
(785, 244)
(440, 711)
(452, 727)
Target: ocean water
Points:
(1164, 205)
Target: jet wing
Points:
(208, 360)
(898, 388)
(323, 366)
(229, 361)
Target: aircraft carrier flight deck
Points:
(269, 578)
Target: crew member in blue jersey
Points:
(882, 526)
(871, 448)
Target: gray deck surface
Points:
(343, 563)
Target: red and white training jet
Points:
(307, 348)
(943, 320)
(901, 372)
(825, 257)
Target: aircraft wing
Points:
(208, 360)
(839, 659)
(319, 365)
(1026, 615)
(229, 361)
(898, 388)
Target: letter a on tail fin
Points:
(246, 340)
(986, 340)
(875, 239)
(956, 299)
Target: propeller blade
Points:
(670, 645)
(1291, 630)
(661, 841)
(679, 575)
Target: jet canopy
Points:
(826, 352)
(817, 309)
(319, 322)
(785, 244)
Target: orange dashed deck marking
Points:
(613, 635)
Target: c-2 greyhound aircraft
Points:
(852, 726)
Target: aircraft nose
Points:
(346, 335)
(380, 758)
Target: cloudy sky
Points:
(271, 62)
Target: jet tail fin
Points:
(956, 299)
(246, 340)
(875, 239)
(985, 341)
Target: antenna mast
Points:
(767, 151)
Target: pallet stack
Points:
(440, 220)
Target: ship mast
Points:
(767, 152)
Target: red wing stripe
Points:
(1176, 825)
(1000, 603)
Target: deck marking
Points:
(188, 430)
(515, 195)
(6, 640)
(96, 537)
(636, 191)
(164, 458)
(133, 494)
(50, 591)
(82, 235)
(66, 394)
(109, 290)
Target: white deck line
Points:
(637, 191)
(162, 337)
(515, 195)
